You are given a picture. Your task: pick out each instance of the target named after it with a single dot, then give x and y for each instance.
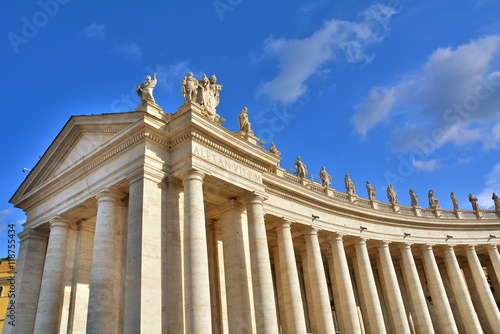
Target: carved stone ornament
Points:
(145, 93)
(300, 168)
(326, 179)
(372, 191)
(274, 150)
(204, 92)
(349, 185)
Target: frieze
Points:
(226, 163)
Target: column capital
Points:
(107, 195)
(405, 246)
(231, 204)
(59, 221)
(253, 198)
(283, 223)
(32, 234)
(492, 246)
(311, 230)
(193, 174)
(172, 181)
(361, 241)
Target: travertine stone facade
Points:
(147, 222)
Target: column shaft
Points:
(345, 288)
(459, 287)
(235, 268)
(396, 304)
(483, 288)
(144, 288)
(263, 291)
(422, 315)
(51, 291)
(103, 308)
(495, 259)
(291, 289)
(438, 293)
(321, 301)
(375, 316)
(197, 285)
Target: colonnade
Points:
(155, 265)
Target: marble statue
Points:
(300, 168)
(372, 191)
(473, 201)
(496, 200)
(326, 179)
(245, 125)
(189, 88)
(454, 200)
(433, 201)
(205, 92)
(391, 195)
(413, 197)
(349, 185)
(274, 150)
(145, 90)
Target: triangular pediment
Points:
(80, 138)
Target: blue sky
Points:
(401, 92)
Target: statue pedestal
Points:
(151, 108)
(418, 211)
(396, 208)
(249, 137)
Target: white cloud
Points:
(453, 98)
(95, 33)
(426, 166)
(492, 185)
(299, 59)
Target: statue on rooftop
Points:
(433, 201)
(391, 195)
(205, 92)
(326, 179)
(349, 185)
(473, 202)
(496, 200)
(372, 191)
(413, 197)
(145, 90)
(245, 125)
(300, 168)
(454, 200)
(189, 88)
(274, 150)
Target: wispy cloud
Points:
(95, 33)
(492, 185)
(299, 59)
(426, 165)
(453, 98)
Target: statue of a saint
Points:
(349, 185)
(454, 200)
(145, 90)
(473, 201)
(326, 179)
(209, 96)
(413, 197)
(300, 168)
(274, 150)
(391, 195)
(496, 200)
(372, 191)
(245, 125)
(189, 88)
(433, 201)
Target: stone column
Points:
(422, 315)
(143, 293)
(263, 291)
(483, 288)
(196, 284)
(459, 287)
(103, 307)
(438, 293)
(396, 304)
(31, 258)
(375, 316)
(290, 279)
(495, 259)
(235, 268)
(172, 249)
(345, 288)
(321, 300)
(51, 291)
